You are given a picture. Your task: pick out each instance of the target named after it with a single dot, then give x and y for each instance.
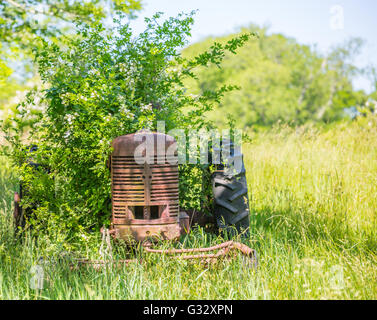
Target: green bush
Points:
(100, 84)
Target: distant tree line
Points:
(282, 80)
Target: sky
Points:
(323, 23)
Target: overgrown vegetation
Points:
(99, 85)
(313, 218)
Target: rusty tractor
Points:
(145, 200)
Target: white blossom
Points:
(123, 67)
(121, 99)
(83, 98)
(67, 134)
(146, 107)
(94, 95)
(65, 98)
(94, 72)
(69, 118)
(126, 112)
(108, 118)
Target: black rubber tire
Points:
(231, 203)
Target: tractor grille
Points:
(143, 191)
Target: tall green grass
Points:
(314, 224)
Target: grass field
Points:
(314, 225)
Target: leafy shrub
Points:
(100, 84)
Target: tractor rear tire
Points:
(231, 203)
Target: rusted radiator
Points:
(145, 197)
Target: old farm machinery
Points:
(145, 200)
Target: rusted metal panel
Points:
(145, 196)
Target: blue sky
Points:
(310, 22)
